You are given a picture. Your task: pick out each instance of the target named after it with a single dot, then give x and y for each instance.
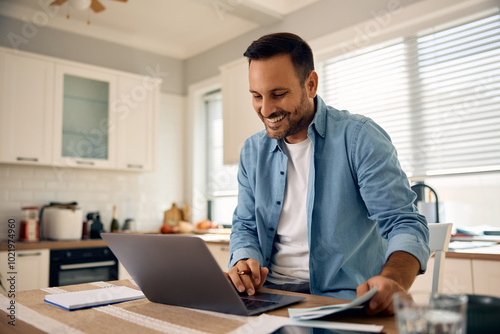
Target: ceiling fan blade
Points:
(96, 6)
(58, 2)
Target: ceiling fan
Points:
(95, 5)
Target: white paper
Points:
(96, 297)
(318, 312)
(266, 324)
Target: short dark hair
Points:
(282, 43)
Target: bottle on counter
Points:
(29, 224)
(115, 227)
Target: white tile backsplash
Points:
(33, 184)
(20, 195)
(142, 196)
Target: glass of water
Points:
(424, 313)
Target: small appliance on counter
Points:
(429, 209)
(62, 222)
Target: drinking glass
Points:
(420, 313)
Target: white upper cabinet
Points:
(84, 125)
(67, 114)
(26, 109)
(240, 119)
(135, 118)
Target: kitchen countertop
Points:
(481, 253)
(22, 245)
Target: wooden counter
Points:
(479, 253)
(47, 244)
(20, 245)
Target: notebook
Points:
(77, 300)
(180, 270)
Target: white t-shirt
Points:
(290, 262)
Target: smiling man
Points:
(323, 205)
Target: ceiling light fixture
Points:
(82, 5)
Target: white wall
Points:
(468, 200)
(142, 196)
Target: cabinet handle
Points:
(87, 265)
(27, 159)
(29, 254)
(224, 249)
(89, 163)
(135, 166)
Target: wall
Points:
(312, 22)
(468, 200)
(142, 196)
(57, 43)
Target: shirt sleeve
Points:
(386, 191)
(244, 241)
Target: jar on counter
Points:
(30, 230)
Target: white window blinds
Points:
(436, 94)
(221, 179)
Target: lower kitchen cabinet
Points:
(469, 276)
(31, 268)
(457, 277)
(221, 254)
(486, 275)
(122, 272)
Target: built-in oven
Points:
(82, 265)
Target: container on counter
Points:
(30, 228)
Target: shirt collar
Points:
(319, 120)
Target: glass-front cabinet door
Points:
(84, 122)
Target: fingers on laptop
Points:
(246, 276)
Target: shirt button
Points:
(282, 173)
(278, 202)
(267, 259)
(271, 229)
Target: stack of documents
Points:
(318, 312)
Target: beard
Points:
(297, 120)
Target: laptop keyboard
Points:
(252, 304)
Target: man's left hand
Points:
(382, 301)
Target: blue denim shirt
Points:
(359, 202)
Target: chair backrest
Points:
(439, 239)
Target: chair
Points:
(439, 238)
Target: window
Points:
(436, 94)
(222, 185)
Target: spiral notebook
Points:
(77, 300)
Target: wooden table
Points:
(142, 316)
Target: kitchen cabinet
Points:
(136, 123)
(84, 123)
(220, 252)
(457, 277)
(68, 114)
(31, 269)
(122, 272)
(486, 275)
(26, 103)
(240, 119)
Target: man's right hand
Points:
(247, 275)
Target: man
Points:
(323, 205)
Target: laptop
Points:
(180, 270)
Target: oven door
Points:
(85, 265)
